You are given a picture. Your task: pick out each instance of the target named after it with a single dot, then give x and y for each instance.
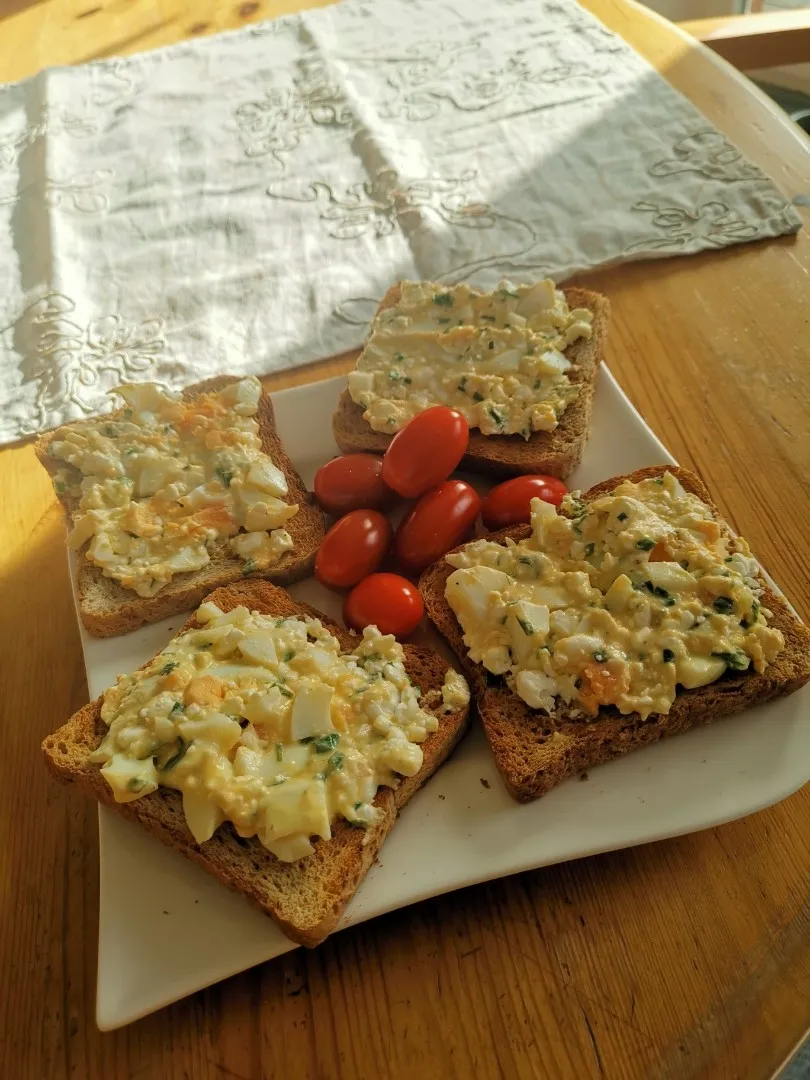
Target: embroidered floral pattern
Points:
(50, 122)
(380, 204)
(713, 224)
(276, 124)
(709, 154)
(434, 74)
(82, 192)
(71, 364)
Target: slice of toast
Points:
(534, 751)
(107, 608)
(554, 453)
(305, 898)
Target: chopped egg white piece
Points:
(614, 602)
(164, 480)
(496, 357)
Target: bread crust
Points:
(534, 751)
(554, 453)
(308, 897)
(107, 609)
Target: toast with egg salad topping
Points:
(519, 363)
(173, 495)
(270, 746)
(632, 614)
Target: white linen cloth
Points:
(240, 203)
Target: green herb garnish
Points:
(496, 416)
(60, 487)
(599, 656)
(443, 299)
(177, 708)
(737, 660)
(589, 550)
(526, 626)
(668, 656)
(249, 567)
(723, 605)
(225, 475)
(288, 656)
(137, 783)
(334, 763)
(325, 743)
(645, 543)
(398, 357)
(622, 516)
(477, 396)
(463, 383)
(167, 669)
(398, 377)
(182, 747)
(279, 751)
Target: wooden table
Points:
(683, 959)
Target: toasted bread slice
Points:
(535, 751)
(555, 453)
(306, 898)
(107, 608)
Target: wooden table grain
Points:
(683, 959)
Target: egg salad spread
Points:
(616, 602)
(265, 722)
(498, 358)
(164, 479)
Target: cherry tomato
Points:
(386, 601)
(437, 523)
(354, 547)
(426, 451)
(352, 482)
(509, 503)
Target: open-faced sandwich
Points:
(631, 614)
(518, 363)
(270, 746)
(171, 496)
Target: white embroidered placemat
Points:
(240, 203)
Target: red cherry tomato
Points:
(352, 482)
(437, 523)
(426, 451)
(353, 548)
(509, 503)
(386, 601)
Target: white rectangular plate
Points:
(167, 929)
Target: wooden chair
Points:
(761, 40)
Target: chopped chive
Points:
(326, 742)
(645, 543)
(668, 655)
(736, 660)
(723, 605)
(443, 299)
